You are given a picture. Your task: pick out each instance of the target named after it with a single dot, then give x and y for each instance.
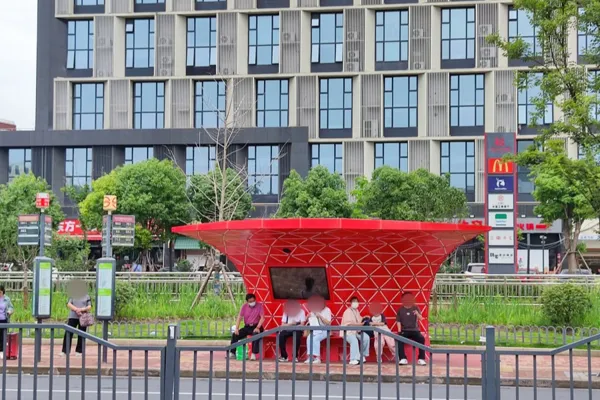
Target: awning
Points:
(186, 243)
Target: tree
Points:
(562, 81)
(153, 191)
(18, 198)
(414, 196)
(565, 189)
(70, 253)
(321, 195)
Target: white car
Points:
(475, 271)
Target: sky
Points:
(18, 29)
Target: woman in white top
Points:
(320, 315)
(293, 315)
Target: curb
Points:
(315, 376)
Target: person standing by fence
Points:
(78, 304)
(6, 310)
(253, 315)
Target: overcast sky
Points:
(18, 26)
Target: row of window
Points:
(327, 40)
(456, 159)
(400, 104)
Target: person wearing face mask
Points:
(359, 341)
(253, 315)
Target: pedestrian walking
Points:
(6, 310)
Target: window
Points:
(149, 105)
(525, 185)
(88, 6)
(329, 155)
(211, 4)
(88, 106)
(272, 103)
(139, 43)
(458, 33)
(458, 160)
(467, 94)
(263, 169)
(202, 42)
(78, 166)
(138, 154)
(528, 112)
(19, 162)
(400, 102)
(519, 26)
(335, 103)
(394, 155)
(89, 2)
(210, 104)
(149, 5)
(264, 40)
(391, 36)
(327, 38)
(199, 160)
(586, 38)
(581, 153)
(594, 77)
(80, 44)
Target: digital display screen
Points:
(298, 283)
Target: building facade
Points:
(349, 84)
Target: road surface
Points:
(138, 391)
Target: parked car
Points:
(475, 271)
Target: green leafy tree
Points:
(321, 195)
(18, 198)
(219, 196)
(153, 191)
(414, 196)
(562, 81)
(565, 189)
(70, 253)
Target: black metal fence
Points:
(175, 370)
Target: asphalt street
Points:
(140, 389)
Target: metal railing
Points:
(174, 370)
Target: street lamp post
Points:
(543, 239)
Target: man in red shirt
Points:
(253, 315)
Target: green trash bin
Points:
(240, 353)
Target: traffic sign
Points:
(110, 203)
(42, 201)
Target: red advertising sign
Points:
(499, 166)
(72, 227)
(42, 200)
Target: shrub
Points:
(125, 294)
(565, 305)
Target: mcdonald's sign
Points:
(499, 166)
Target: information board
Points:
(123, 230)
(105, 288)
(48, 231)
(42, 287)
(28, 230)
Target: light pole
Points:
(543, 239)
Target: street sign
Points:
(42, 200)
(42, 287)
(109, 203)
(48, 230)
(123, 230)
(105, 233)
(105, 284)
(29, 230)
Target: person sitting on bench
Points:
(408, 326)
(320, 315)
(253, 315)
(293, 315)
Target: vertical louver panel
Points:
(437, 104)
(165, 52)
(370, 2)
(506, 102)
(64, 7)
(307, 104)
(371, 106)
(354, 26)
(420, 38)
(104, 51)
(181, 106)
(61, 105)
(290, 41)
(183, 5)
(479, 171)
(120, 116)
(226, 49)
(121, 6)
(308, 3)
(245, 4)
(487, 24)
(354, 163)
(243, 100)
(418, 155)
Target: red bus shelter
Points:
(374, 260)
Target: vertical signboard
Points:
(105, 284)
(123, 230)
(29, 230)
(501, 203)
(47, 230)
(42, 287)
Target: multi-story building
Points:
(350, 84)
